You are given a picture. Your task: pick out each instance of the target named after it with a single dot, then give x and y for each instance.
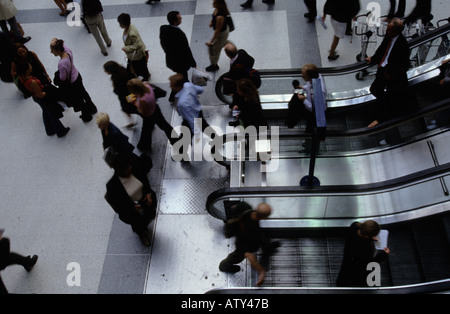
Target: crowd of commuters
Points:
(128, 191)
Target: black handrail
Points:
(426, 174)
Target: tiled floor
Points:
(52, 189)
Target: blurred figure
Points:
(312, 10)
(94, 20)
(341, 12)
(112, 136)
(134, 48)
(130, 195)
(120, 77)
(359, 251)
(249, 239)
(8, 258)
(8, 13)
(422, 10)
(62, 6)
(145, 102)
(395, 11)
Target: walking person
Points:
(129, 193)
(341, 12)
(70, 82)
(174, 42)
(62, 6)
(8, 258)
(51, 110)
(120, 77)
(8, 13)
(134, 48)
(150, 112)
(249, 239)
(94, 19)
(220, 36)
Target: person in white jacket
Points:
(8, 13)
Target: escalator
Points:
(414, 208)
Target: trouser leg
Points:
(229, 263)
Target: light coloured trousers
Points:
(216, 48)
(97, 27)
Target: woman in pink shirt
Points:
(150, 112)
(70, 82)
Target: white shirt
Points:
(385, 62)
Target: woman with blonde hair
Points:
(145, 102)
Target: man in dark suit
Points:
(8, 258)
(240, 65)
(391, 82)
(179, 56)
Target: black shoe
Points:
(234, 269)
(24, 40)
(268, 1)
(105, 53)
(246, 5)
(212, 68)
(234, 123)
(66, 130)
(333, 57)
(32, 262)
(86, 118)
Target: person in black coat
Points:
(8, 258)
(359, 251)
(391, 81)
(130, 195)
(174, 42)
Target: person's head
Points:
(23, 68)
(247, 89)
(176, 82)
(102, 120)
(57, 46)
(221, 6)
(395, 27)
(174, 18)
(137, 87)
(369, 229)
(124, 20)
(309, 72)
(230, 50)
(21, 51)
(262, 211)
(122, 165)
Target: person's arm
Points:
(42, 66)
(251, 257)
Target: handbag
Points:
(108, 155)
(200, 78)
(230, 23)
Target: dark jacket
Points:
(92, 7)
(4, 252)
(179, 56)
(249, 236)
(398, 61)
(358, 253)
(117, 140)
(241, 67)
(123, 205)
(342, 10)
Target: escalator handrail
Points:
(382, 127)
(342, 70)
(427, 287)
(234, 192)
